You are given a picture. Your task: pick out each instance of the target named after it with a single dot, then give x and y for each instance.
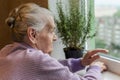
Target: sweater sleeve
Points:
(93, 73)
(48, 68)
(73, 64)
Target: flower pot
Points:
(73, 53)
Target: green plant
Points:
(73, 24)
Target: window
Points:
(107, 18)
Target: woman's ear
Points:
(31, 33)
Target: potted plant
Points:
(74, 27)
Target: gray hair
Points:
(24, 16)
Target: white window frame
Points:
(113, 65)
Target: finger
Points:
(93, 52)
(104, 68)
(95, 57)
(100, 50)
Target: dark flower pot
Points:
(73, 53)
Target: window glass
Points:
(107, 18)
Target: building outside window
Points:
(107, 18)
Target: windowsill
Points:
(113, 72)
(112, 64)
(107, 75)
(110, 76)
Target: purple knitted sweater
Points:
(21, 62)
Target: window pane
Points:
(107, 14)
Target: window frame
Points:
(113, 65)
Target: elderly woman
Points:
(28, 58)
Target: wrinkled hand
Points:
(91, 56)
(100, 64)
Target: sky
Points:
(107, 3)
